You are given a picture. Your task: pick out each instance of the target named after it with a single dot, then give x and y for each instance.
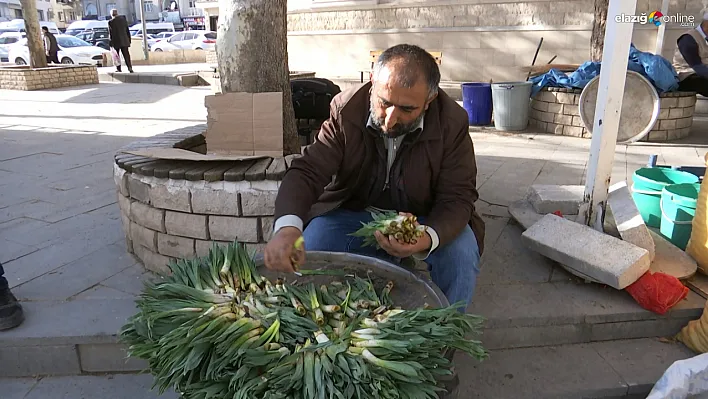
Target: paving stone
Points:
(627, 218)
(215, 202)
(152, 261)
(76, 276)
(670, 259)
(227, 228)
(258, 203)
(172, 198)
(17, 388)
(587, 250)
(138, 189)
(143, 236)
(10, 250)
(548, 372)
(101, 292)
(187, 225)
(23, 361)
(527, 337)
(510, 262)
(174, 246)
(147, 216)
(99, 358)
(641, 362)
(523, 213)
(119, 386)
(636, 329)
(550, 198)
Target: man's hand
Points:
(400, 249)
(279, 250)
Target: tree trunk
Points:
(597, 40)
(252, 54)
(35, 42)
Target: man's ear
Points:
(430, 100)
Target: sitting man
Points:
(691, 59)
(397, 143)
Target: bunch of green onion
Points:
(215, 328)
(403, 228)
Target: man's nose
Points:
(391, 117)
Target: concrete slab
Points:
(586, 250)
(670, 259)
(101, 292)
(104, 387)
(130, 280)
(27, 361)
(550, 198)
(628, 220)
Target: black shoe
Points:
(118, 68)
(131, 71)
(11, 314)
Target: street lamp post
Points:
(146, 50)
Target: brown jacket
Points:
(434, 174)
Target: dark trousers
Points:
(3, 281)
(126, 56)
(695, 83)
(53, 57)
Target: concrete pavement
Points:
(62, 246)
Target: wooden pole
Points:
(607, 111)
(662, 29)
(35, 41)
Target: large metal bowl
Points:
(410, 291)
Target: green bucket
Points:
(647, 186)
(678, 207)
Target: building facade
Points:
(9, 10)
(480, 40)
(64, 12)
(101, 9)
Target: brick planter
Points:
(555, 110)
(53, 77)
(176, 209)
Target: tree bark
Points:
(252, 55)
(35, 42)
(597, 40)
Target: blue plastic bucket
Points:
(477, 101)
(678, 207)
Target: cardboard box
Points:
(245, 124)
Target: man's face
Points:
(395, 109)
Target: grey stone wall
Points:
(23, 78)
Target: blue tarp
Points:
(653, 67)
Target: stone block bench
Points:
(175, 209)
(556, 110)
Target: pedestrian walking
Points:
(11, 314)
(51, 48)
(119, 36)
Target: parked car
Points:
(188, 40)
(150, 39)
(6, 40)
(163, 35)
(96, 36)
(72, 50)
(77, 27)
(152, 28)
(18, 25)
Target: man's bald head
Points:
(406, 65)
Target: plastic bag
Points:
(657, 292)
(683, 379)
(695, 334)
(116, 57)
(698, 243)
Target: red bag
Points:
(657, 292)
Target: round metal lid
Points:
(640, 107)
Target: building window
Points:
(149, 6)
(72, 16)
(109, 7)
(61, 16)
(50, 15)
(40, 14)
(18, 13)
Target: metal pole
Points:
(146, 50)
(662, 29)
(610, 93)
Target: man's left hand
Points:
(400, 249)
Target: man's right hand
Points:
(280, 249)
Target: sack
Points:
(311, 97)
(657, 292)
(116, 57)
(683, 379)
(695, 334)
(698, 243)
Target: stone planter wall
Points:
(171, 211)
(556, 110)
(211, 57)
(24, 78)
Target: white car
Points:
(7, 39)
(188, 40)
(72, 50)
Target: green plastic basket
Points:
(648, 183)
(678, 207)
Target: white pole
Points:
(662, 29)
(618, 36)
(146, 50)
